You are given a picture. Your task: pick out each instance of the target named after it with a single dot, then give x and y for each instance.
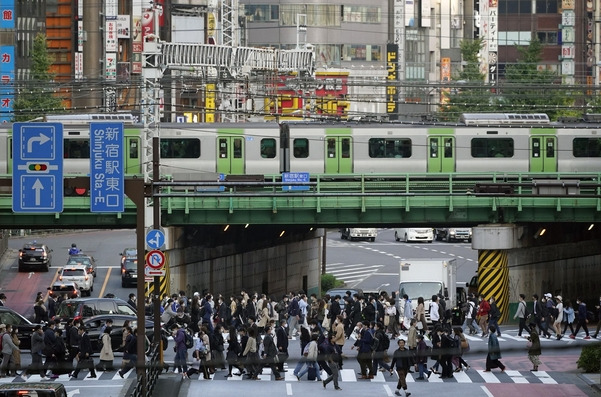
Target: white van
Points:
(408, 234)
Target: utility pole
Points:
(92, 54)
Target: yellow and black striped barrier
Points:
(493, 279)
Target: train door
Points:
(339, 155)
(132, 155)
(543, 153)
(441, 153)
(230, 155)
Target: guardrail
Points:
(151, 373)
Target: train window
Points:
(76, 148)
(222, 148)
(133, 149)
(268, 148)
(301, 148)
(433, 148)
(237, 148)
(448, 148)
(586, 147)
(331, 148)
(390, 148)
(346, 148)
(550, 147)
(535, 148)
(180, 148)
(492, 147)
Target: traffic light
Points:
(37, 167)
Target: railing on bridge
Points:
(353, 199)
(151, 373)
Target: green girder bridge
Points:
(333, 200)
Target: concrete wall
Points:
(250, 259)
(570, 270)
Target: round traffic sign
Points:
(155, 259)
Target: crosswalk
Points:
(83, 377)
(350, 376)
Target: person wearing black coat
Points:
(85, 360)
(281, 336)
(233, 352)
(402, 360)
(334, 310)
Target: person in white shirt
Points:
(434, 315)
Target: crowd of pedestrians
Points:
(258, 331)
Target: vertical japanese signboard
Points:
(392, 95)
(7, 14)
(7, 79)
(107, 185)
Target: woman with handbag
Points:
(106, 352)
(420, 316)
(233, 351)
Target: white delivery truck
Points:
(427, 277)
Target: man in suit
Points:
(85, 354)
(281, 337)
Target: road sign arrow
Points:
(38, 187)
(42, 139)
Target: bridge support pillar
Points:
(492, 243)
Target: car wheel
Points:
(373, 239)
(123, 284)
(91, 289)
(396, 236)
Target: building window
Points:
(262, 12)
(328, 54)
(362, 14)
(317, 14)
(361, 52)
(547, 38)
(515, 7)
(492, 147)
(546, 6)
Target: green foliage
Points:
(524, 88)
(37, 98)
(329, 281)
(590, 358)
(534, 90)
(469, 93)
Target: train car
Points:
(501, 143)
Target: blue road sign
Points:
(155, 239)
(37, 167)
(295, 177)
(107, 182)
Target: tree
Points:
(469, 94)
(530, 90)
(38, 97)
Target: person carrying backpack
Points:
(181, 350)
(381, 343)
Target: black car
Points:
(128, 253)
(94, 326)
(24, 326)
(39, 389)
(35, 256)
(83, 308)
(129, 272)
(86, 260)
